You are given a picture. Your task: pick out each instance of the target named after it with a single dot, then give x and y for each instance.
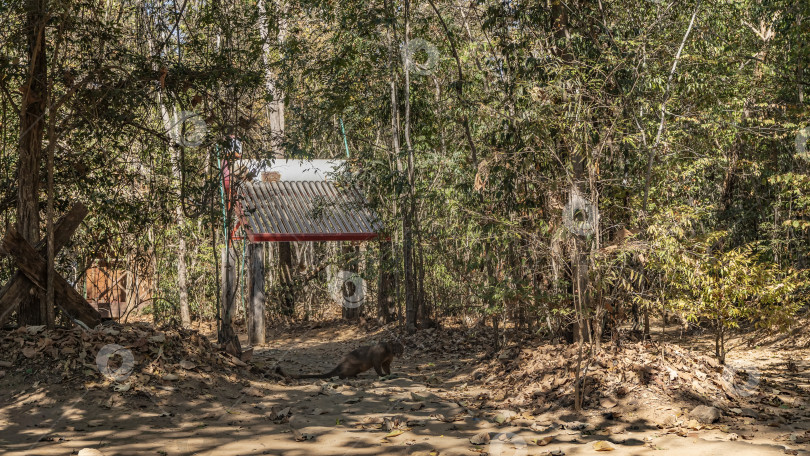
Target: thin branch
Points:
(651, 153)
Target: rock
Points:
(504, 415)
(667, 420)
(705, 414)
(422, 396)
(90, 452)
(603, 445)
(673, 374)
(798, 438)
(607, 402)
(480, 438)
(575, 426)
(749, 412)
(252, 391)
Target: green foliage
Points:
(524, 104)
(727, 289)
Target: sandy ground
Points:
(427, 409)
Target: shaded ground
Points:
(448, 392)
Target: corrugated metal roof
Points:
(305, 211)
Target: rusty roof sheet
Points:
(305, 211)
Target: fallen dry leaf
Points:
(545, 440)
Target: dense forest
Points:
(580, 224)
(562, 167)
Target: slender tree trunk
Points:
(50, 315)
(182, 281)
(32, 311)
(411, 299)
(580, 254)
(174, 131)
(395, 135)
(662, 113)
(385, 298)
(155, 290)
(275, 109)
(227, 337)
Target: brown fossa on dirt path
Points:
(434, 405)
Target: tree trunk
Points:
(32, 124)
(396, 163)
(275, 109)
(153, 259)
(173, 129)
(409, 212)
(50, 313)
(386, 304)
(227, 337)
(182, 281)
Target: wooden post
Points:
(285, 278)
(256, 297)
(350, 255)
(385, 297)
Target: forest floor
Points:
(450, 396)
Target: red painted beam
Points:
(279, 237)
